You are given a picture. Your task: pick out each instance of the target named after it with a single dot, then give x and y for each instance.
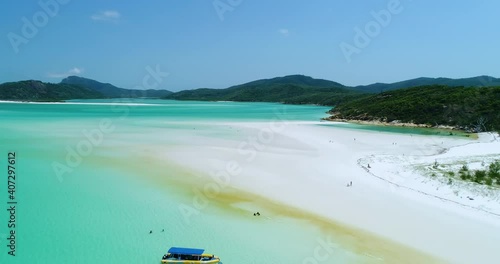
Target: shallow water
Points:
(88, 190)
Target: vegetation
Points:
(282, 93)
(296, 79)
(111, 91)
(39, 91)
(473, 109)
(70, 88)
(479, 81)
(294, 89)
(490, 177)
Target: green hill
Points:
(111, 91)
(296, 79)
(472, 108)
(293, 89)
(300, 89)
(38, 91)
(479, 81)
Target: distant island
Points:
(470, 104)
(293, 89)
(300, 89)
(111, 91)
(37, 91)
(73, 87)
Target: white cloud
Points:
(284, 32)
(109, 15)
(73, 71)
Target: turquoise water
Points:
(101, 207)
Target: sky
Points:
(188, 44)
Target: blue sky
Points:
(219, 43)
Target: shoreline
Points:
(371, 205)
(393, 124)
(450, 129)
(243, 202)
(78, 103)
(31, 102)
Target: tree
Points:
(480, 125)
(479, 176)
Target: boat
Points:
(189, 256)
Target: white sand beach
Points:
(308, 166)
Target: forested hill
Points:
(293, 89)
(296, 79)
(38, 91)
(479, 81)
(111, 91)
(300, 89)
(473, 108)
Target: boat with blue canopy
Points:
(189, 256)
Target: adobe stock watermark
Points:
(76, 154)
(372, 29)
(223, 6)
(248, 151)
(153, 78)
(322, 252)
(30, 27)
(95, 137)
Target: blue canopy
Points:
(185, 251)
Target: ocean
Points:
(90, 188)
